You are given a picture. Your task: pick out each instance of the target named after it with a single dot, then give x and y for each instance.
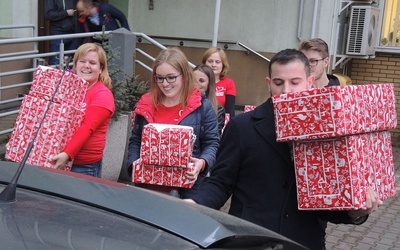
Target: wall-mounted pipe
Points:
(300, 21)
(314, 18)
(216, 22)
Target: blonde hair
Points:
(224, 60)
(316, 44)
(177, 59)
(85, 48)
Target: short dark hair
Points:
(289, 55)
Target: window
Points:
(391, 24)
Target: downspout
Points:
(314, 18)
(216, 22)
(300, 21)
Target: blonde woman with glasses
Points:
(174, 99)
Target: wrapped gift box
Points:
(167, 145)
(161, 175)
(334, 174)
(248, 108)
(57, 129)
(71, 91)
(334, 111)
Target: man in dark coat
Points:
(62, 17)
(259, 172)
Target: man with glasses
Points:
(317, 53)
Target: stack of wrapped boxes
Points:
(63, 117)
(341, 143)
(164, 155)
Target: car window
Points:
(40, 221)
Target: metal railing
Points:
(253, 51)
(35, 56)
(225, 43)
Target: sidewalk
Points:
(382, 229)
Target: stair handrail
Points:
(253, 51)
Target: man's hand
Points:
(71, 12)
(190, 201)
(372, 203)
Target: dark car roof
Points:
(200, 225)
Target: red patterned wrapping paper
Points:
(160, 175)
(334, 174)
(71, 91)
(334, 111)
(248, 108)
(58, 128)
(167, 145)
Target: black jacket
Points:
(259, 173)
(56, 13)
(333, 80)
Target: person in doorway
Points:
(225, 87)
(62, 17)
(174, 99)
(87, 144)
(93, 16)
(206, 83)
(259, 172)
(317, 52)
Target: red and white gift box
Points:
(71, 91)
(334, 174)
(161, 175)
(167, 145)
(248, 108)
(334, 111)
(57, 129)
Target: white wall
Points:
(21, 12)
(264, 25)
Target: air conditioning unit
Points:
(363, 30)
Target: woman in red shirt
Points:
(225, 87)
(87, 145)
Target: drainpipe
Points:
(314, 18)
(300, 21)
(216, 22)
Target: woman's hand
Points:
(197, 167)
(60, 160)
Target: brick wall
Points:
(384, 68)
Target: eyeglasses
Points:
(314, 62)
(169, 79)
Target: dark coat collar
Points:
(265, 126)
